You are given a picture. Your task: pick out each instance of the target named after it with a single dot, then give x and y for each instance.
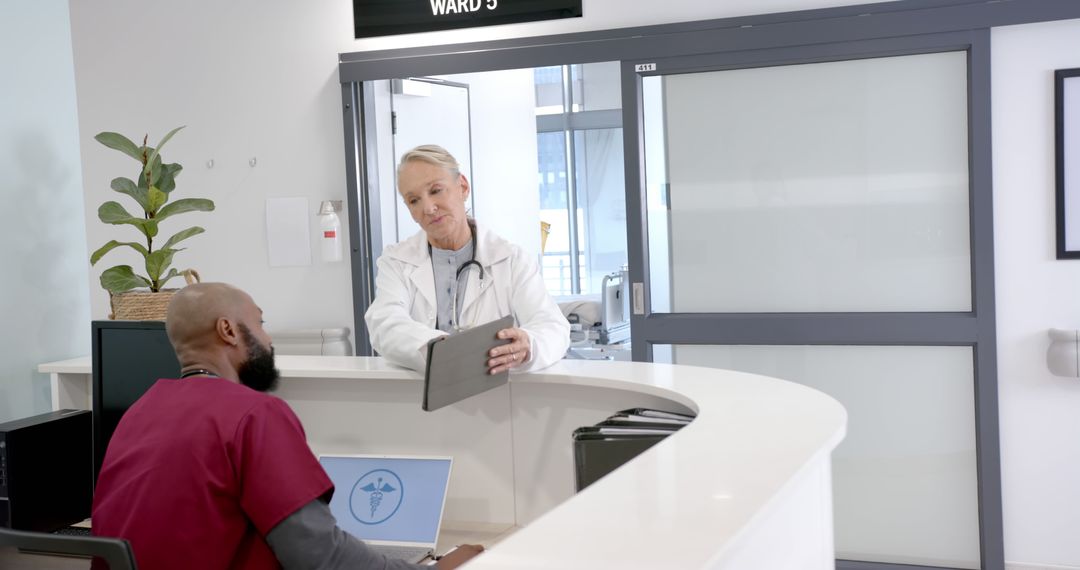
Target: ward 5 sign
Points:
(444, 7)
(384, 18)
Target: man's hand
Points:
(458, 556)
(505, 356)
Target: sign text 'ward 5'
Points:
(390, 17)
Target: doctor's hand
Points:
(508, 355)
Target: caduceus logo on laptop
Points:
(376, 496)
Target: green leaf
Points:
(155, 171)
(182, 235)
(157, 262)
(157, 199)
(185, 205)
(126, 186)
(113, 213)
(113, 244)
(164, 140)
(165, 279)
(167, 181)
(122, 278)
(121, 143)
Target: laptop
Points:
(394, 503)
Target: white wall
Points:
(43, 280)
(1040, 413)
(249, 79)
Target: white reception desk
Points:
(745, 486)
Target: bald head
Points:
(216, 330)
(192, 321)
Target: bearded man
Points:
(209, 471)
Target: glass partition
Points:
(904, 479)
(823, 187)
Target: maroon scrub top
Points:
(199, 470)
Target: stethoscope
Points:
(457, 278)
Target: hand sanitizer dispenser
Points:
(330, 230)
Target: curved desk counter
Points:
(745, 485)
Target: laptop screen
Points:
(388, 498)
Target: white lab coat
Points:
(401, 319)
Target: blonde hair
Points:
(431, 154)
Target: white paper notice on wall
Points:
(288, 237)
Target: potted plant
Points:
(143, 296)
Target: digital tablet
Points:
(457, 364)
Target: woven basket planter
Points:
(144, 305)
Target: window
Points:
(580, 178)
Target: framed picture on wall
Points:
(1067, 150)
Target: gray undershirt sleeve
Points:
(311, 539)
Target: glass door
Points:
(816, 216)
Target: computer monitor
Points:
(128, 357)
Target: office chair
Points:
(116, 552)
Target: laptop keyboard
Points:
(73, 531)
(406, 553)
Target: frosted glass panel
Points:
(549, 90)
(904, 478)
(658, 236)
(602, 197)
(596, 86)
(45, 278)
(839, 186)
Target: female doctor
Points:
(455, 275)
